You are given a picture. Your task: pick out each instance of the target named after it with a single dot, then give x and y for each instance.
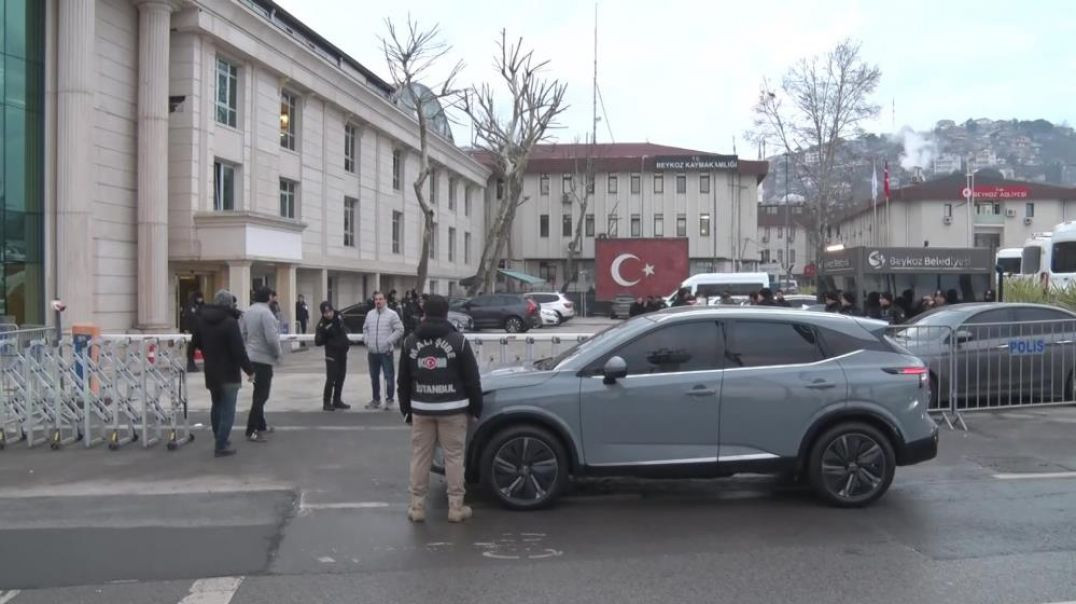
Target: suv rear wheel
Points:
(513, 325)
(524, 467)
(851, 465)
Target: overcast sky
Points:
(687, 73)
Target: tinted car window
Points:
(1041, 314)
(483, 301)
(507, 300)
(767, 343)
(836, 343)
(696, 346)
(976, 324)
(544, 298)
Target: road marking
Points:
(346, 505)
(326, 560)
(1035, 475)
(218, 590)
(7, 596)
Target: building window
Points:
(349, 148)
(543, 184)
(466, 248)
(350, 203)
(791, 234)
(223, 187)
(681, 225)
(433, 286)
(397, 169)
(287, 198)
(452, 196)
(681, 183)
(764, 256)
(547, 271)
(433, 187)
(397, 231)
(659, 183)
(433, 241)
(947, 211)
(590, 184)
(612, 226)
(451, 244)
(588, 225)
(227, 93)
(612, 184)
(1029, 210)
(466, 200)
(500, 188)
(780, 232)
(704, 183)
(543, 225)
(791, 257)
(566, 225)
(659, 225)
(636, 225)
(566, 183)
(288, 116)
(635, 186)
(781, 257)
(704, 224)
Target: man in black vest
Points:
(439, 385)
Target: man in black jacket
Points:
(439, 388)
(217, 336)
(302, 313)
(332, 334)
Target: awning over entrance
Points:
(523, 277)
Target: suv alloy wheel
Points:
(851, 465)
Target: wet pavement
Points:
(317, 515)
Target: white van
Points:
(714, 285)
(1009, 260)
(1052, 254)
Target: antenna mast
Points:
(594, 91)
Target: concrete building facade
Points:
(639, 190)
(196, 144)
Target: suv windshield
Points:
(553, 362)
(1064, 257)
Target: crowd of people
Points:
(438, 384)
(884, 306)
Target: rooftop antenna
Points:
(594, 90)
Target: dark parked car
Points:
(355, 315)
(510, 312)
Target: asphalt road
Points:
(317, 515)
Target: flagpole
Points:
(876, 238)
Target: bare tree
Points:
(509, 138)
(822, 101)
(582, 171)
(411, 55)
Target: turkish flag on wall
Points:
(639, 267)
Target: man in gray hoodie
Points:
(380, 332)
(261, 333)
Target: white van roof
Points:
(762, 278)
(1011, 252)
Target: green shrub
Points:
(1027, 289)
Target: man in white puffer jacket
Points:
(380, 332)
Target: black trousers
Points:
(190, 355)
(263, 381)
(335, 372)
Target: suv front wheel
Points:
(851, 465)
(524, 467)
(514, 325)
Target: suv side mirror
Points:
(614, 369)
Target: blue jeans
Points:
(222, 413)
(382, 362)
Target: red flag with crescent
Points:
(639, 267)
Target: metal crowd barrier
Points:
(993, 366)
(112, 389)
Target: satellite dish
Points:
(435, 112)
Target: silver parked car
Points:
(709, 392)
(1003, 353)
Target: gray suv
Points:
(709, 392)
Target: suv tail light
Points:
(567, 305)
(532, 308)
(922, 372)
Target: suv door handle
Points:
(701, 392)
(821, 385)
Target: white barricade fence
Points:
(110, 389)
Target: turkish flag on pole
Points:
(887, 180)
(639, 267)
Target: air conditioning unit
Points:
(947, 219)
(1027, 221)
(1011, 213)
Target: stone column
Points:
(323, 288)
(286, 293)
(154, 21)
(239, 282)
(76, 73)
